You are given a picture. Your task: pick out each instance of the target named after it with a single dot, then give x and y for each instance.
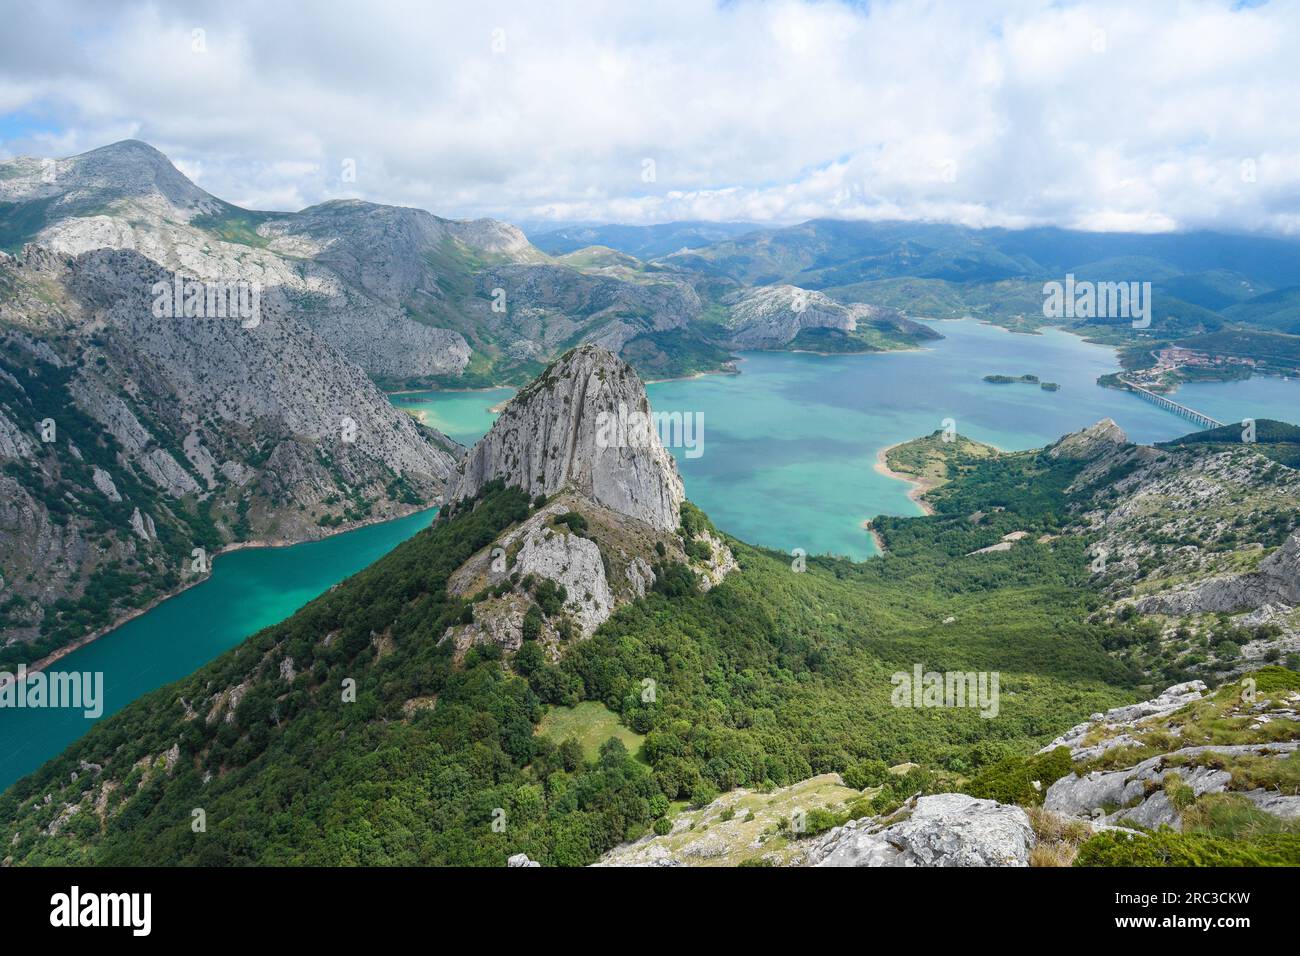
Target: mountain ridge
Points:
(398, 715)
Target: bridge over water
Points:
(1191, 414)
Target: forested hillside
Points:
(771, 677)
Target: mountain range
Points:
(163, 423)
(573, 662)
(424, 711)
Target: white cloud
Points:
(1095, 115)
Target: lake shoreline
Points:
(59, 653)
(870, 529)
(918, 486)
(729, 369)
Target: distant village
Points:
(1174, 357)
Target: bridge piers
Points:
(1191, 414)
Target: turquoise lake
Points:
(790, 446)
(464, 416)
(790, 443)
(247, 591)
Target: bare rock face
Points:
(579, 435)
(576, 427)
(1135, 790)
(1090, 443)
(947, 829)
(537, 549)
(267, 428)
(575, 563)
(1276, 582)
(769, 317)
(1139, 794)
(1173, 699)
(550, 304)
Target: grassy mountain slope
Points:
(771, 677)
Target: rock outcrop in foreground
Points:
(582, 424)
(1222, 745)
(946, 829)
(744, 826)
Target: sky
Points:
(1149, 116)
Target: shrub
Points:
(663, 826)
(1012, 780)
(1269, 679)
(694, 521)
(550, 597)
(698, 550)
(532, 625)
(1226, 651)
(1167, 848)
(576, 523)
(866, 773)
(703, 793)
(529, 658)
(818, 820)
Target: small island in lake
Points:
(1027, 379)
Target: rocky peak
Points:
(584, 424)
(1090, 443)
(495, 237)
(129, 170)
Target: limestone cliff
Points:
(583, 424)
(129, 440)
(780, 316)
(607, 512)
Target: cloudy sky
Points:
(1108, 115)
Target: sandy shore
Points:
(919, 486)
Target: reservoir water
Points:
(247, 591)
(788, 461)
(464, 416)
(791, 442)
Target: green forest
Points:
(772, 677)
(359, 738)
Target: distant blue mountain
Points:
(644, 242)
